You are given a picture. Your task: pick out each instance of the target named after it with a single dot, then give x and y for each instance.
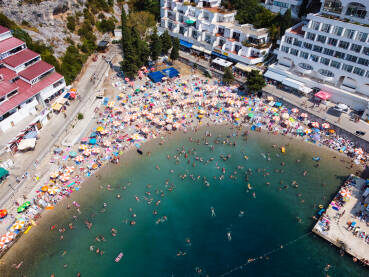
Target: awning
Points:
(222, 62)
(244, 67)
(27, 144)
(185, 43)
(189, 21)
(3, 172)
(32, 134)
(219, 55)
(274, 76)
(292, 83)
(323, 95)
(201, 49)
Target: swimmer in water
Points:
(241, 214)
(212, 211)
(229, 236)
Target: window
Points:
(339, 55)
(366, 51)
(359, 71)
(304, 55)
(363, 61)
(321, 38)
(325, 72)
(347, 68)
(356, 48)
(280, 4)
(308, 45)
(325, 61)
(335, 64)
(362, 37)
(351, 58)
(305, 66)
(326, 28)
(343, 44)
(328, 52)
(289, 40)
(332, 6)
(356, 10)
(285, 49)
(297, 42)
(310, 36)
(337, 31)
(315, 25)
(332, 41)
(294, 52)
(349, 33)
(318, 49)
(314, 58)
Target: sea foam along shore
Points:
(151, 110)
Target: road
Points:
(52, 133)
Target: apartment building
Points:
(205, 26)
(330, 51)
(25, 80)
(281, 6)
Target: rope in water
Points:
(240, 267)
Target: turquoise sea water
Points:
(278, 214)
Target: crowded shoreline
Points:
(147, 111)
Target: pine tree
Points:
(126, 33)
(155, 46)
(255, 81)
(166, 42)
(174, 54)
(228, 77)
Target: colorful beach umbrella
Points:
(54, 174)
(79, 158)
(315, 124)
(345, 193)
(325, 125)
(53, 191)
(69, 169)
(83, 147)
(304, 115)
(44, 188)
(359, 151)
(3, 213)
(295, 110)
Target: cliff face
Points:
(47, 18)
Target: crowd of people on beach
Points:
(148, 110)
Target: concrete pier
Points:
(334, 225)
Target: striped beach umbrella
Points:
(69, 169)
(79, 158)
(83, 147)
(345, 193)
(325, 125)
(53, 190)
(54, 175)
(304, 115)
(107, 143)
(87, 152)
(295, 110)
(359, 151)
(315, 124)
(64, 177)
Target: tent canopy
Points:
(27, 144)
(156, 76)
(171, 72)
(323, 95)
(222, 62)
(244, 68)
(32, 134)
(3, 172)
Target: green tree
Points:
(228, 77)
(166, 42)
(255, 81)
(106, 25)
(72, 63)
(174, 54)
(71, 23)
(126, 32)
(141, 20)
(129, 66)
(155, 46)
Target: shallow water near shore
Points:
(191, 239)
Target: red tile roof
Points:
(35, 70)
(7, 74)
(9, 44)
(298, 30)
(26, 91)
(3, 30)
(6, 87)
(21, 58)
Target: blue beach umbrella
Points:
(72, 154)
(92, 141)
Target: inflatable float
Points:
(119, 257)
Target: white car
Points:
(341, 108)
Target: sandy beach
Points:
(140, 118)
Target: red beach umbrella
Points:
(3, 213)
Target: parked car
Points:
(341, 108)
(360, 133)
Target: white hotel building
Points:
(281, 6)
(330, 51)
(208, 28)
(25, 80)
